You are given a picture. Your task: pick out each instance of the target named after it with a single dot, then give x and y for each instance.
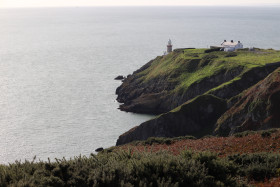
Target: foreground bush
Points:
(257, 166)
(124, 168)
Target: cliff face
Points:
(257, 108)
(196, 117)
(203, 87)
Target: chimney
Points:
(231, 41)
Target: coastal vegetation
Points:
(249, 160)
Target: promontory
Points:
(202, 92)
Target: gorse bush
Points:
(213, 49)
(257, 166)
(263, 133)
(127, 168)
(244, 133)
(123, 168)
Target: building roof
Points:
(229, 43)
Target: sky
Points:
(62, 3)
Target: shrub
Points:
(162, 140)
(124, 168)
(213, 49)
(266, 134)
(243, 134)
(243, 49)
(257, 166)
(209, 57)
(263, 133)
(231, 54)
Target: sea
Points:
(57, 68)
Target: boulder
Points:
(120, 77)
(99, 149)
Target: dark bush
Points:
(243, 49)
(213, 49)
(266, 134)
(209, 57)
(162, 140)
(263, 133)
(243, 134)
(231, 54)
(257, 166)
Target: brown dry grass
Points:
(223, 146)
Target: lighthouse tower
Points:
(169, 46)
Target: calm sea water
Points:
(57, 93)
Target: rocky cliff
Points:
(197, 117)
(169, 81)
(257, 108)
(202, 85)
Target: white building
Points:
(231, 46)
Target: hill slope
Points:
(257, 108)
(196, 117)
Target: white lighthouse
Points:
(169, 46)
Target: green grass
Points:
(176, 65)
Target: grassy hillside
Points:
(192, 65)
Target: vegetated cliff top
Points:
(168, 81)
(192, 65)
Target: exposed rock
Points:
(244, 81)
(257, 108)
(196, 117)
(120, 77)
(99, 149)
(156, 96)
